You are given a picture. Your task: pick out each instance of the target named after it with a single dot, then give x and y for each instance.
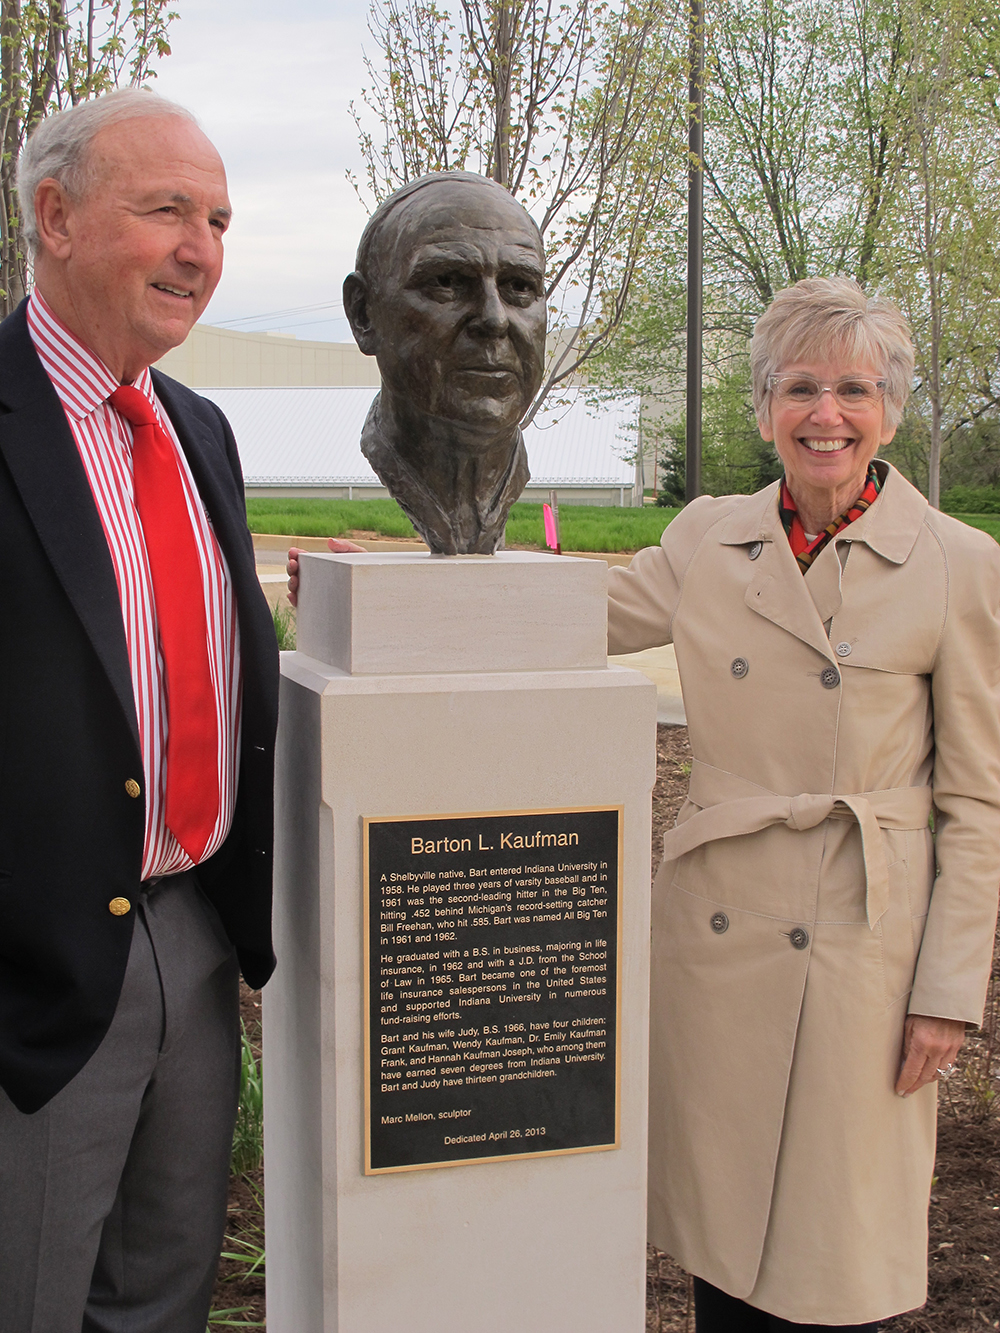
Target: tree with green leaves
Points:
(939, 239)
(774, 211)
(576, 108)
(55, 53)
(858, 138)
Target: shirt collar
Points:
(80, 378)
(890, 526)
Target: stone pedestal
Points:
(442, 685)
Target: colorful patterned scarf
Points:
(805, 552)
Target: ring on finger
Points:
(946, 1072)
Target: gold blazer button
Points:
(133, 789)
(119, 906)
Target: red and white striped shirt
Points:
(104, 439)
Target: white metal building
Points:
(305, 441)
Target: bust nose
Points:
(491, 316)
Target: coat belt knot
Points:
(806, 811)
(728, 806)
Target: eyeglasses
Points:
(855, 393)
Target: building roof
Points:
(311, 437)
(233, 357)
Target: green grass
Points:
(248, 1139)
(327, 518)
(225, 1319)
(984, 522)
(284, 627)
(583, 527)
(590, 527)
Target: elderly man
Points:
(137, 718)
(449, 296)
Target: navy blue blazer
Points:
(71, 837)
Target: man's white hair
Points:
(59, 148)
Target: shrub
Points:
(248, 1139)
(284, 627)
(971, 500)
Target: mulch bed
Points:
(965, 1203)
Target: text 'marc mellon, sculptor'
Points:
(449, 297)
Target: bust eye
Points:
(520, 290)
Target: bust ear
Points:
(356, 308)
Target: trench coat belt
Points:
(729, 806)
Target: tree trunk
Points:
(502, 82)
(12, 261)
(934, 459)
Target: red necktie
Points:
(192, 808)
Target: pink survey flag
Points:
(551, 540)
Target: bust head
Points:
(449, 297)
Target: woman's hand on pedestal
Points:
(338, 544)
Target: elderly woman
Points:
(818, 951)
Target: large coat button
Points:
(739, 667)
(720, 923)
(754, 550)
(119, 906)
(132, 788)
(829, 678)
(799, 938)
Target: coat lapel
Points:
(38, 448)
(777, 591)
(889, 528)
(823, 580)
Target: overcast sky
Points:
(270, 84)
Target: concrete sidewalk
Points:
(660, 666)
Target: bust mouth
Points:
(495, 372)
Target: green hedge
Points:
(971, 500)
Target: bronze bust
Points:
(449, 296)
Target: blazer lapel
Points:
(206, 456)
(38, 448)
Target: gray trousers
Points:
(113, 1196)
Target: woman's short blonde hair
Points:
(821, 317)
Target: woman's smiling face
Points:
(825, 445)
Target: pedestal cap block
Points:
(412, 613)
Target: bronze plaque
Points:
(491, 986)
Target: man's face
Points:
(459, 316)
(144, 248)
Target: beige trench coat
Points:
(792, 936)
